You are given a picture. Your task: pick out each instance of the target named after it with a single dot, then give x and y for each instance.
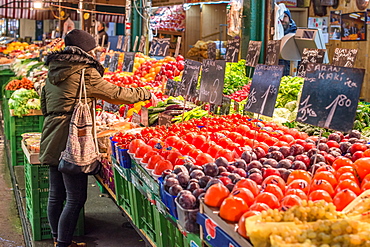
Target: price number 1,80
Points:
(340, 100)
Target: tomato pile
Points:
(245, 166)
(241, 94)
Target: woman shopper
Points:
(59, 96)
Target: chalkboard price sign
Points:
(114, 63)
(128, 61)
(272, 52)
(144, 120)
(211, 50)
(189, 78)
(264, 89)
(106, 61)
(126, 43)
(330, 96)
(171, 87)
(142, 44)
(254, 50)
(310, 56)
(344, 57)
(164, 119)
(225, 107)
(212, 82)
(233, 47)
(119, 42)
(160, 47)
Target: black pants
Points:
(71, 189)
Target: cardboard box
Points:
(33, 158)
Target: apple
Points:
(241, 172)
(225, 180)
(304, 158)
(269, 171)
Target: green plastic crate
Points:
(169, 233)
(37, 193)
(18, 126)
(192, 240)
(5, 76)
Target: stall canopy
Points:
(23, 9)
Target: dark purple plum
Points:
(344, 146)
(335, 153)
(193, 180)
(285, 163)
(265, 166)
(221, 161)
(312, 152)
(284, 173)
(170, 182)
(256, 177)
(187, 201)
(248, 156)
(193, 186)
(254, 170)
(234, 177)
(230, 186)
(334, 137)
(273, 148)
(171, 175)
(292, 158)
(317, 158)
(165, 173)
(299, 165)
(323, 140)
(212, 182)
(198, 191)
(262, 160)
(175, 189)
(183, 179)
(355, 134)
(335, 149)
(197, 174)
(203, 181)
(271, 162)
(254, 164)
(210, 169)
(352, 140)
(260, 153)
(195, 168)
(285, 150)
(240, 163)
(221, 169)
(241, 172)
(323, 147)
(296, 149)
(188, 165)
(276, 155)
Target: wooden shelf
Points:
(173, 35)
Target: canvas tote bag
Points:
(82, 153)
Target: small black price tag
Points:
(330, 96)
(128, 61)
(233, 48)
(211, 50)
(254, 50)
(160, 47)
(144, 116)
(225, 107)
(189, 78)
(119, 42)
(106, 61)
(164, 119)
(114, 63)
(212, 82)
(272, 52)
(310, 56)
(171, 87)
(344, 57)
(264, 89)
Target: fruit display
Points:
(169, 18)
(16, 84)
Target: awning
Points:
(22, 9)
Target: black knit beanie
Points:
(81, 39)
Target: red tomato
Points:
(348, 184)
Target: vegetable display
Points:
(23, 100)
(19, 83)
(235, 77)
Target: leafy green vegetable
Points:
(235, 77)
(290, 89)
(22, 100)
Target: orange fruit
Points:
(269, 199)
(348, 184)
(215, 195)
(318, 195)
(320, 184)
(362, 167)
(232, 208)
(328, 176)
(343, 198)
(341, 161)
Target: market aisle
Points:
(10, 225)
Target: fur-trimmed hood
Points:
(64, 63)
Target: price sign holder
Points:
(144, 117)
(125, 111)
(135, 43)
(189, 78)
(212, 82)
(164, 119)
(106, 61)
(126, 44)
(211, 51)
(225, 106)
(142, 44)
(128, 61)
(236, 107)
(272, 52)
(160, 47)
(233, 48)
(136, 119)
(310, 56)
(264, 89)
(330, 96)
(119, 42)
(344, 57)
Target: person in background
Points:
(289, 27)
(58, 99)
(102, 33)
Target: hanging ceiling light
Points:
(37, 5)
